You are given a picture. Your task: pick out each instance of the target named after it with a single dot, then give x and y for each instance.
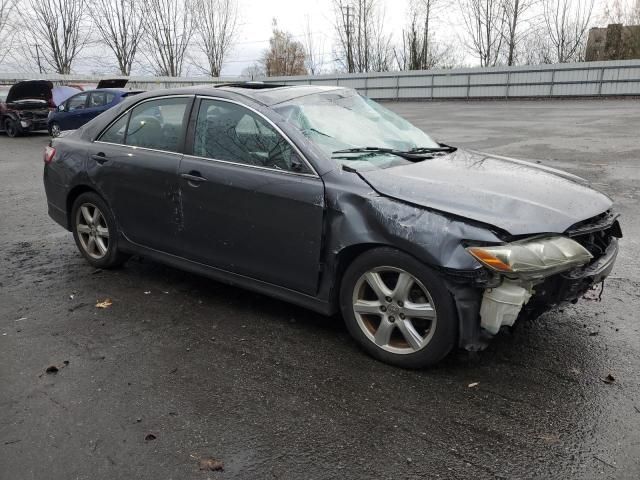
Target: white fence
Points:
(612, 78)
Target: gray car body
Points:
(430, 210)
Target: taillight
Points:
(49, 153)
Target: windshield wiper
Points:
(391, 151)
(442, 148)
(315, 131)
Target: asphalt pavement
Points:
(180, 368)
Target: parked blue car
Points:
(82, 107)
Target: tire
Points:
(54, 129)
(11, 128)
(96, 234)
(409, 320)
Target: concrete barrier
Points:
(585, 79)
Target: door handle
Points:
(99, 157)
(193, 176)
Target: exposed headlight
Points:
(536, 257)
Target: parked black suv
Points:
(26, 107)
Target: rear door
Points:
(251, 204)
(134, 164)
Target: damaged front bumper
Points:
(503, 301)
(502, 305)
(31, 125)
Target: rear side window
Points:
(156, 124)
(100, 99)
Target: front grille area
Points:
(595, 233)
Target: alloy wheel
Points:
(394, 310)
(93, 230)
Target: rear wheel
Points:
(11, 127)
(398, 309)
(95, 233)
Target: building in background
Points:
(615, 42)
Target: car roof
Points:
(275, 94)
(112, 90)
(266, 94)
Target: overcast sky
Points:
(255, 18)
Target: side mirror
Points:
(61, 108)
(296, 163)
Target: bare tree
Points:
(536, 47)
(362, 44)
(314, 50)
(6, 27)
(253, 71)
(119, 24)
(168, 26)
(54, 32)
(485, 22)
(625, 12)
(285, 56)
(515, 11)
(419, 50)
(566, 23)
(216, 25)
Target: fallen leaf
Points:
(609, 379)
(150, 437)
(549, 438)
(52, 370)
(21, 319)
(106, 303)
(211, 464)
(474, 384)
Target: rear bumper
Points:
(59, 215)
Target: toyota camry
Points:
(324, 198)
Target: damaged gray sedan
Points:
(323, 198)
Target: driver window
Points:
(226, 131)
(77, 103)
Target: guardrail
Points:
(611, 78)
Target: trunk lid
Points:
(112, 83)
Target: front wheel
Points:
(11, 127)
(95, 232)
(398, 309)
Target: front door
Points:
(251, 205)
(134, 165)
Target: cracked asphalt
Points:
(277, 392)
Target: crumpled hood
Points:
(516, 196)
